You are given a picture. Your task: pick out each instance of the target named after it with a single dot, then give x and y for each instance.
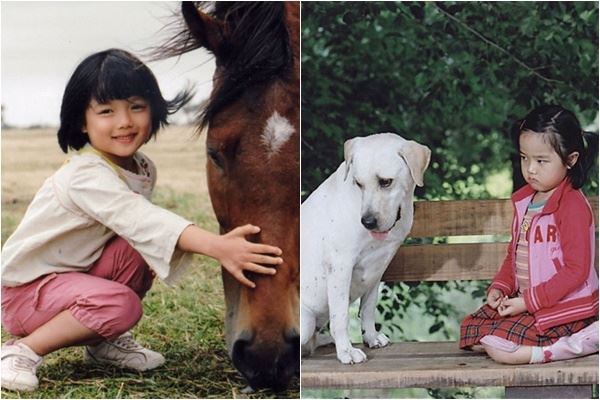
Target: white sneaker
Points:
(19, 366)
(124, 352)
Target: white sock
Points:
(578, 344)
(537, 355)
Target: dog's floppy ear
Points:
(348, 145)
(417, 157)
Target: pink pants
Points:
(106, 299)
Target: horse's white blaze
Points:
(277, 131)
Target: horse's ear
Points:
(208, 31)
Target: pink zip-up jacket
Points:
(563, 280)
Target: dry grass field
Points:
(185, 323)
(30, 156)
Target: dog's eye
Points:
(385, 182)
(357, 184)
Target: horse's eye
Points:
(385, 182)
(215, 157)
(357, 184)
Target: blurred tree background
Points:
(453, 76)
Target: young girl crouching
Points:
(543, 303)
(75, 270)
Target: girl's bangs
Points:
(121, 81)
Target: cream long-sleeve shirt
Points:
(83, 205)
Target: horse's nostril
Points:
(292, 338)
(239, 351)
(293, 352)
(369, 221)
(268, 366)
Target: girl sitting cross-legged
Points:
(543, 303)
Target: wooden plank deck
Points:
(435, 365)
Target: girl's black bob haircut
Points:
(563, 132)
(112, 74)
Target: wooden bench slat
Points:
(468, 217)
(461, 217)
(438, 364)
(444, 262)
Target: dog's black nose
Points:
(369, 221)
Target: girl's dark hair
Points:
(112, 74)
(563, 131)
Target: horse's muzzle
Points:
(268, 365)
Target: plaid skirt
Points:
(519, 329)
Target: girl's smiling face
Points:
(118, 128)
(542, 168)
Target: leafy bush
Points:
(451, 75)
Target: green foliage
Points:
(427, 311)
(451, 75)
(413, 393)
(397, 298)
(466, 393)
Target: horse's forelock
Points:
(257, 50)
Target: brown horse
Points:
(253, 168)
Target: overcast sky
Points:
(42, 43)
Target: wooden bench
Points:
(443, 364)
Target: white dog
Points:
(351, 227)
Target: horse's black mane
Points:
(257, 49)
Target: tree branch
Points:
(496, 46)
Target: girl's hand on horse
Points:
(240, 255)
(511, 307)
(494, 298)
(232, 250)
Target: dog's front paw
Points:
(377, 340)
(351, 356)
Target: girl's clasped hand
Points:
(513, 306)
(506, 306)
